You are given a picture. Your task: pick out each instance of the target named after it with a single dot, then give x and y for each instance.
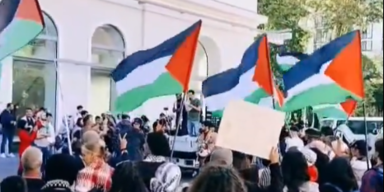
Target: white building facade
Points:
(70, 62)
(371, 39)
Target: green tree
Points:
(285, 14)
(342, 16)
(373, 89)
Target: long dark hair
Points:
(295, 170)
(218, 178)
(340, 173)
(126, 178)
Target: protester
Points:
(339, 177)
(124, 125)
(7, 125)
(13, 184)
(218, 178)
(45, 136)
(273, 182)
(314, 140)
(241, 161)
(142, 160)
(136, 139)
(222, 156)
(166, 179)
(295, 173)
(79, 111)
(207, 141)
(294, 140)
(359, 162)
(31, 161)
(159, 126)
(372, 180)
(193, 106)
(27, 132)
(146, 125)
(284, 134)
(158, 150)
(127, 178)
(121, 155)
(311, 158)
(337, 144)
(321, 163)
(60, 173)
(96, 172)
(110, 133)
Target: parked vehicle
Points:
(354, 128)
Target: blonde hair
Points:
(31, 159)
(90, 136)
(95, 146)
(218, 178)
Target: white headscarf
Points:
(167, 178)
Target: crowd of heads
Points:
(307, 160)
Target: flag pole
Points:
(67, 130)
(178, 124)
(366, 131)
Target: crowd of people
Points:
(107, 154)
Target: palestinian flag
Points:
(251, 80)
(332, 74)
(160, 71)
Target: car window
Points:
(340, 122)
(358, 127)
(327, 123)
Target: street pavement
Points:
(8, 167)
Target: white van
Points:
(354, 128)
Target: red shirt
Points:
(26, 139)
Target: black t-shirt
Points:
(34, 185)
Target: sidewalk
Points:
(8, 166)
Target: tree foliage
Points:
(342, 16)
(373, 81)
(286, 14)
(337, 17)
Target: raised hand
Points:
(123, 142)
(274, 155)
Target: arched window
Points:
(207, 62)
(200, 69)
(108, 49)
(34, 71)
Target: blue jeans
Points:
(7, 139)
(193, 128)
